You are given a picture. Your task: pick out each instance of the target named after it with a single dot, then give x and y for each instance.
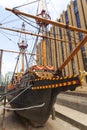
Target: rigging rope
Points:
(3, 33)
(54, 7)
(23, 18)
(10, 21)
(37, 8)
(26, 4)
(46, 7)
(20, 109)
(73, 37)
(5, 36)
(9, 33)
(6, 18)
(19, 94)
(15, 67)
(34, 47)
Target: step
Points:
(78, 103)
(76, 118)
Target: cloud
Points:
(7, 66)
(56, 7)
(11, 3)
(8, 62)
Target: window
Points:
(68, 32)
(77, 18)
(80, 34)
(73, 66)
(60, 31)
(66, 15)
(54, 32)
(69, 37)
(78, 24)
(75, 6)
(62, 48)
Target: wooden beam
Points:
(56, 23)
(74, 53)
(39, 35)
(15, 52)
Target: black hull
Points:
(40, 89)
(39, 115)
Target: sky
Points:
(9, 40)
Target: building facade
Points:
(58, 51)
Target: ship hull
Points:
(41, 101)
(37, 94)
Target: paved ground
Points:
(72, 116)
(73, 98)
(82, 88)
(13, 123)
(78, 103)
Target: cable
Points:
(46, 7)
(19, 38)
(34, 47)
(20, 109)
(9, 33)
(16, 35)
(19, 94)
(22, 17)
(37, 27)
(26, 4)
(37, 8)
(10, 21)
(6, 18)
(53, 7)
(7, 37)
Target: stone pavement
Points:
(12, 122)
(72, 116)
(82, 88)
(74, 101)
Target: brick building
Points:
(58, 51)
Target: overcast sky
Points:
(55, 8)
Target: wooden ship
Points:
(32, 92)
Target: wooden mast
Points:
(56, 23)
(22, 47)
(44, 41)
(43, 25)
